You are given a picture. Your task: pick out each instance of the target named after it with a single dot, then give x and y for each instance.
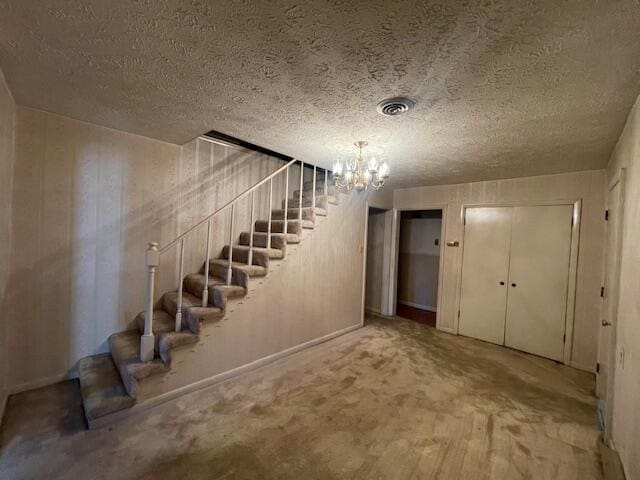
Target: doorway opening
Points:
(375, 285)
(419, 250)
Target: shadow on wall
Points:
(87, 200)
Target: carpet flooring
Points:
(393, 400)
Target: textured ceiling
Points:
(503, 88)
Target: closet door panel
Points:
(538, 279)
(485, 265)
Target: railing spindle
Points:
(270, 206)
(147, 341)
(300, 191)
(326, 189)
(229, 269)
(250, 256)
(313, 195)
(205, 290)
(178, 325)
(286, 199)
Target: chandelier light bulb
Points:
(384, 171)
(373, 164)
(337, 168)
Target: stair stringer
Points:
(313, 294)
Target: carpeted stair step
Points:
(219, 291)
(125, 351)
(278, 240)
(192, 310)
(277, 226)
(270, 253)
(162, 322)
(240, 272)
(171, 340)
(165, 336)
(308, 187)
(307, 194)
(308, 213)
(259, 257)
(321, 201)
(101, 387)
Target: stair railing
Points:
(153, 253)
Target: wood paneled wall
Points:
(314, 292)
(588, 186)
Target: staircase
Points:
(109, 382)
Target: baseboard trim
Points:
(428, 308)
(579, 366)
(218, 378)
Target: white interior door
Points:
(606, 337)
(538, 279)
(485, 267)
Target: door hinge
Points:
(606, 215)
(458, 313)
(598, 367)
(564, 338)
(602, 292)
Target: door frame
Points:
(573, 262)
(395, 248)
(614, 290)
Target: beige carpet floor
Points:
(393, 400)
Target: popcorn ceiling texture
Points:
(504, 88)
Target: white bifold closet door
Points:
(485, 271)
(523, 304)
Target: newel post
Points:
(147, 342)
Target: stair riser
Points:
(277, 226)
(192, 311)
(194, 285)
(238, 277)
(242, 256)
(188, 321)
(321, 202)
(307, 192)
(308, 184)
(307, 214)
(260, 240)
(220, 296)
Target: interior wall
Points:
(375, 265)
(588, 186)
(626, 414)
(305, 298)
(86, 201)
(418, 262)
(7, 123)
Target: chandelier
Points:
(360, 174)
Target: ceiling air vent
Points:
(395, 106)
